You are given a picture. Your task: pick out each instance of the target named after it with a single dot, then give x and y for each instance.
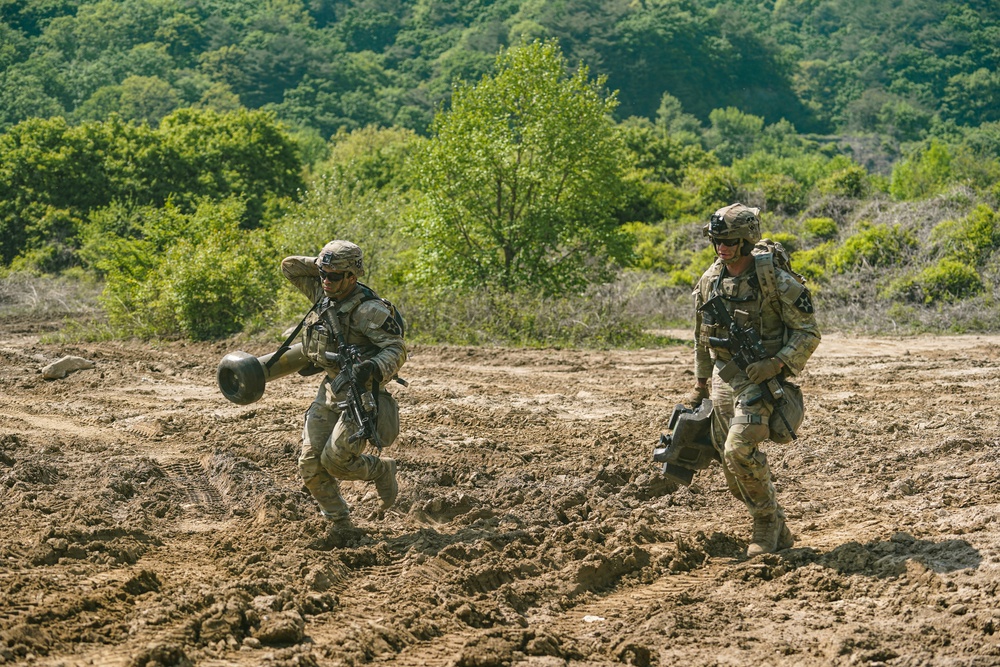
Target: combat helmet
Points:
(735, 221)
(342, 256)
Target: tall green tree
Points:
(522, 178)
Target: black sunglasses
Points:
(334, 277)
(726, 242)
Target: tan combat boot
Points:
(385, 483)
(769, 534)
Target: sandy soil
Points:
(147, 521)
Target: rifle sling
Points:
(285, 347)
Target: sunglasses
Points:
(727, 242)
(333, 277)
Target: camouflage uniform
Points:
(368, 323)
(787, 327)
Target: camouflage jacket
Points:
(786, 325)
(365, 320)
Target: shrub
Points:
(169, 274)
(972, 239)
(714, 188)
(812, 264)
(783, 193)
(822, 229)
(923, 174)
(852, 181)
(946, 280)
(874, 245)
(790, 242)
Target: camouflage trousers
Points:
(739, 425)
(328, 455)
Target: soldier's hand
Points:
(699, 394)
(367, 370)
(764, 370)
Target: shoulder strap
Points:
(764, 264)
(286, 346)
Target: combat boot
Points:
(785, 537)
(338, 520)
(385, 483)
(767, 531)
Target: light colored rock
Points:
(68, 364)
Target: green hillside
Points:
(139, 135)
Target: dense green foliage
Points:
(176, 151)
(899, 69)
(52, 175)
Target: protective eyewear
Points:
(333, 277)
(727, 242)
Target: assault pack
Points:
(767, 255)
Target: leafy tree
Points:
(522, 179)
(733, 134)
(242, 152)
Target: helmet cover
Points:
(735, 221)
(342, 256)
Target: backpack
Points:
(767, 255)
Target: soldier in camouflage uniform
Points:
(330, 281)
(780, 309)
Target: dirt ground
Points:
(148, 521)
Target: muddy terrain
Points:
(148, 521)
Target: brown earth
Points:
(147, 521)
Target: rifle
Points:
(746, 348)
(360, 405)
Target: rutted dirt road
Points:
(147, 521)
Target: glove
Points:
(699, 394)
(762, 371)
(367, 370)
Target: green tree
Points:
(522, 178)
(241, 152)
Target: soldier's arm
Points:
(303, 273)
(703, 364)
(374, 320)
(800, 320)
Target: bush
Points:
(783, 193)
(923, 174)
(971, 240)
(873, 246)
(171, 274)
(947, 280)
(790, 242)
(852, 181)
(822, 229)
(812, 264)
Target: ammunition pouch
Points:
(794, 410)
(688, 446)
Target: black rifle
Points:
(360, 404)
(746, 348)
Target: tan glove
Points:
(699, 394)
(762, 371)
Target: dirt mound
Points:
(147, 521)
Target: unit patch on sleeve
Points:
(804, 302)
(391, 326)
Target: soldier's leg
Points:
(343, 459)
(723, 409)
(324, 488)
(752, 475)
